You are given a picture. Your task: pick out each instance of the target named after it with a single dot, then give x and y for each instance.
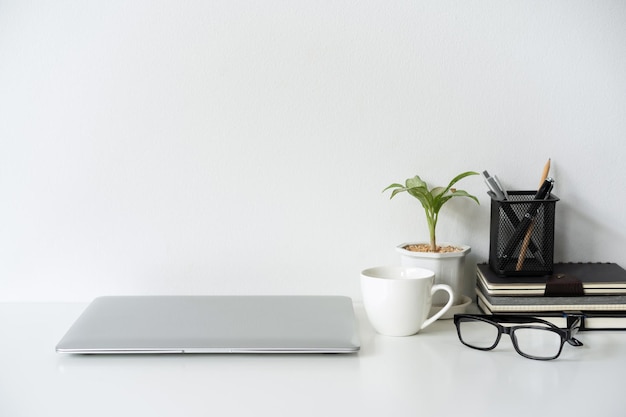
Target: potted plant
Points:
(445, 259)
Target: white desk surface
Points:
(430, 374)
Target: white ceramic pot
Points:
(449, 268)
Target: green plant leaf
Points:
(463, 193)
(396, 191)
(422, 195)
(437, 191)
(415, 182)
(394, 185)
(460, 177)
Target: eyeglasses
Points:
(532, 337)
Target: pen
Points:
(524, 224)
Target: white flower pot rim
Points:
(464, 250)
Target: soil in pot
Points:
(424, 247)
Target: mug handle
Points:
(434, 289)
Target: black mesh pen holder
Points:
(521, 235)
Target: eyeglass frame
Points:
(574, 323)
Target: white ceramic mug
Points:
(397, 299)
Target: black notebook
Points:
(595, 278)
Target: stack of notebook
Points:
(596, 289)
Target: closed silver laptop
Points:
(214, 324)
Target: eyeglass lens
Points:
(479, 334)
(537, 342)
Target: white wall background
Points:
(240, 147)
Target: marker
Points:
(506, 195)
(493, 186)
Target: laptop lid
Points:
(214, 324)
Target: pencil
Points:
(526, 242)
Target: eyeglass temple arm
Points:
(575, 322)
(574, 342)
